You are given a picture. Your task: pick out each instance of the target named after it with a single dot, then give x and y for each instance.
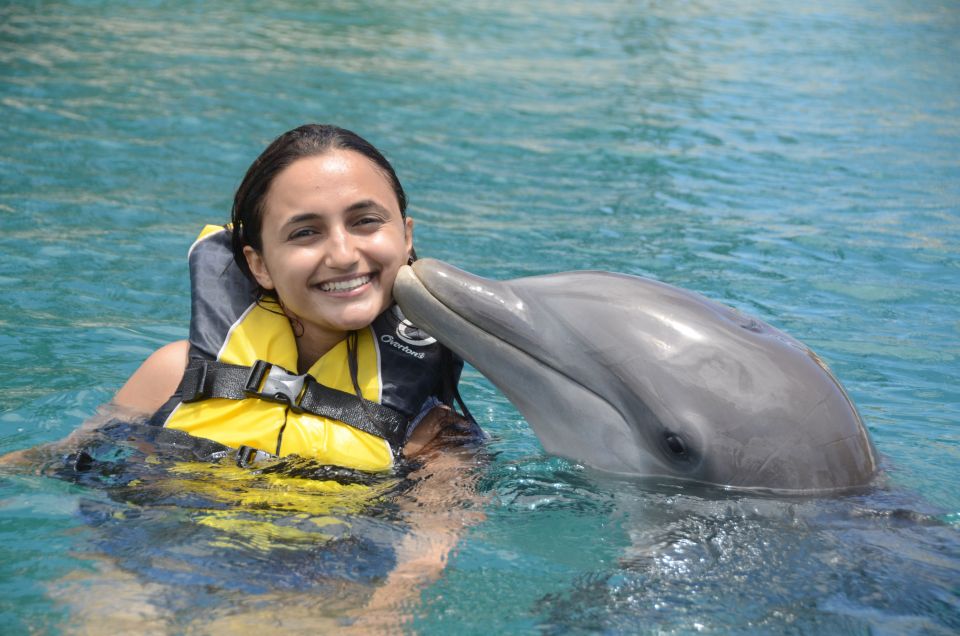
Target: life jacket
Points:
(239, 389)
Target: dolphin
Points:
(636, 377)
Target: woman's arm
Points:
(442, 504)
(146, 391)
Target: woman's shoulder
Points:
(156, 379)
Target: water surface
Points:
(797, 161)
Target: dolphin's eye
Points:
(675, 444)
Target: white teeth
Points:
(346, 285)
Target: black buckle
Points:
(245, 456)
(280, 385)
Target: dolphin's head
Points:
(636, 377)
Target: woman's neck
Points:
(311, 346)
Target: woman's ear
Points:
(408, 236)
(257, 267)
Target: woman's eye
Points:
(302, 232)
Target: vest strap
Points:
(204, 379)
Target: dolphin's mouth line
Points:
(540, 361)
(454, 314)
(426, 290)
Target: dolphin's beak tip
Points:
(405, 274)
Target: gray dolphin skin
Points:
(636, 377)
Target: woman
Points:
(293, 312)
(296, 347)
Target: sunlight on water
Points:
(798, 161)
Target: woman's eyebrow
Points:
(300, 218)
(366, 204)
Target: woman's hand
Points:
(432, 424)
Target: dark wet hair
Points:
(306, 141)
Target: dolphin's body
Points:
(636, 377)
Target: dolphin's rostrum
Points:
(632, 376)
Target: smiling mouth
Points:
(346, 285)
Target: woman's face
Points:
(333, 241)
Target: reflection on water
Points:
(685, 558)
(795, 160)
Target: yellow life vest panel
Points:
(398, 366)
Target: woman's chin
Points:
(354, 321)
(346, 316)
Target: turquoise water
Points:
(799, 161)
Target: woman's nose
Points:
(341, 249)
